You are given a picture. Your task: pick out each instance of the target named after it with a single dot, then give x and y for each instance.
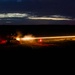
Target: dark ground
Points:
(59, 59)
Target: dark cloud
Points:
(40, 7)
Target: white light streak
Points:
(11, 15)
(48, 18)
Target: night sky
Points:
(38, 11)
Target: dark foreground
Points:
(55, 58)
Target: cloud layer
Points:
(34, 17)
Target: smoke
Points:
(18, 34)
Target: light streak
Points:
(54, 37)
(34, 17)
(29, 40)
(48, 18)
(10, 15)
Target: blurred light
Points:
(18, 39)
(7, 15)
(49, 18)
(40, 40)
(3, 42)
(27, 38)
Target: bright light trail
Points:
(42, 41)
(48, 18)
(54, 37)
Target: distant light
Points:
(3, 41)
(40, 40)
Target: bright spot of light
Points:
(18, 39)
(40, 40)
